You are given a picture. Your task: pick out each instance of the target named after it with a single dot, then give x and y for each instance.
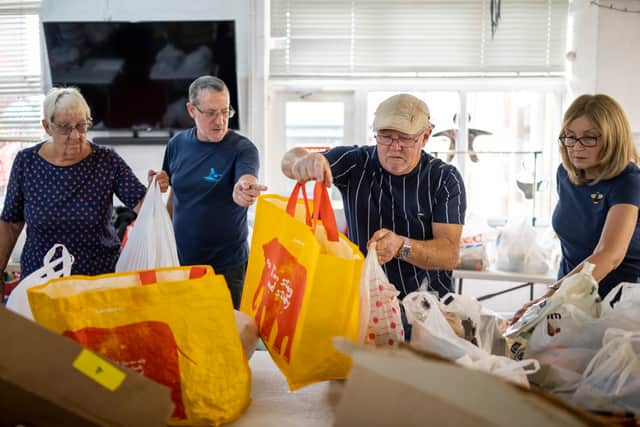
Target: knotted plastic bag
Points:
(611, 381)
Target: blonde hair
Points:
(64, 100)
(617, 148)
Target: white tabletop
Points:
(501, 276)
(274, 405)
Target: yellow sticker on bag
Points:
(99, 370)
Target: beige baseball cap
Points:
(404, 113)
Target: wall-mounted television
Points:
(136, 75)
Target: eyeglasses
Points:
(212, 114)
(404, 141)
(586, 141)
(65, 129)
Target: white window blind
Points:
(413, 38)
(20, 71)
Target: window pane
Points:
(314, 125)
(21, 88)
(512, 155)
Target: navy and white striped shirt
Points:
(407, 205)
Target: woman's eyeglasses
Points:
(586, 141)
(65, 129)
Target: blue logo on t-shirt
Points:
(213, 176)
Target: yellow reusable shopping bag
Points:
(173, 325)
(302, 286)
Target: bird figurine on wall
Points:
(452, 134)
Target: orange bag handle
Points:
(149, 277)
(293, 200)
(322, 209)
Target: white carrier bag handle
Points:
(51, 269)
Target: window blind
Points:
(20, 71)
(414, 38)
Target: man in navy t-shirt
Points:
(395, 194)
(213, 172)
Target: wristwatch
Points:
(405, 249)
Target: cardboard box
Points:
(405, 388)
(49, 380)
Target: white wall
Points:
(606, 43)
(618, 59)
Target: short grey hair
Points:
(205, 83)
(64, 100)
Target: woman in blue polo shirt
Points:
(596, 218)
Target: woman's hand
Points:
(518, 314)
(161, 178)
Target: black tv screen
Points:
(136, 75)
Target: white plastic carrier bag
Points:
(151, 242)
(51, 268)
(611, 381)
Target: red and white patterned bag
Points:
(380, 320)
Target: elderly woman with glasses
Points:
(63, 189)
(596, 218)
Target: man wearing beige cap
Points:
(395, 194)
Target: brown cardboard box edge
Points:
(40, 387)
(405, 387)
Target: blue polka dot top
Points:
(71, 205)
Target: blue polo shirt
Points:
(210, 227)
(407, 205)
(579, 218)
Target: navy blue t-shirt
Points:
(210, 227)
(71, 205)
(407, 205)
(579, 218)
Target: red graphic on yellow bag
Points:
(134, 346)
(281, 291)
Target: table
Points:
(499, 276)
(274, 405)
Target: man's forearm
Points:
(437, 254)
(9, 233)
